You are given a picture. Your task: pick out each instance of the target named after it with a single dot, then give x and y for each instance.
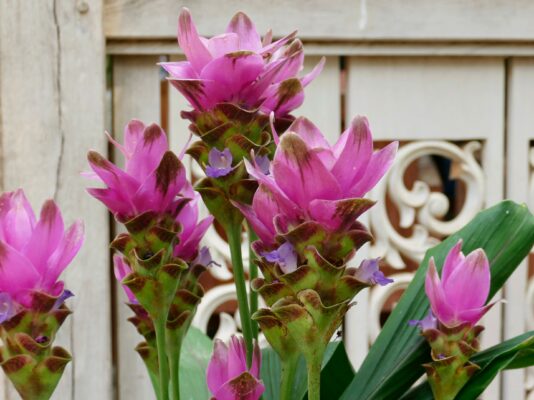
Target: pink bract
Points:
(34, 253)
(228, 377)
(151, 179)
(459, 297)
(311, 180)
(238, 67)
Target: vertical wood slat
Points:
(136, 94)
(426, 99)
(519, 134)
(51, 112)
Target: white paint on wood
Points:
(51, 112)
(322, 101)
(335, 19)
(136, 94)
(519, 128)
(435, 98)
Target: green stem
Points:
(159, 325)
(253, 274)
(314, 378)
(234, 240)
(175, 369)
(289, 369)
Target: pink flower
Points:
(310, 180)
(459, 297)
(227, 375)
(33, 253)
(192, 230)
(238, 67)
(122, 270)
(152, 177)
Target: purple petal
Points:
(217, 372)
(263, 164)
(264, 232)
(369, 272)
(249, 39)
(429, 322)
(7, 308)
(272, 47)
(220, 159)
(194, 92)
(67, 294)
(285, 256)
(204, 258)
(188, 39)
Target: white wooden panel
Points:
(178, 127)
(323, 97)
(335, 19)
(427, 98)
(520, 132)
(434, 98)
(51, 112)
(136, 94)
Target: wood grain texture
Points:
(51, 113)
(136, 94)
(373, 20)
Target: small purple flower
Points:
(42, 339)
(285, 256)
(429, 322)
(204, 258)
(263, 164)
(368, 272)
(61, 299)
(220, 163)
(7, 309)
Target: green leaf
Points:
(506, 233)
(513, 353)
(335, 376)
(196, 353)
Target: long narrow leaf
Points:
(491, 361)
(506, 233)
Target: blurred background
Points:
(452, 80)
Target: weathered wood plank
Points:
(335, 19)
(51, 112)
(136, 94)
(519, 134)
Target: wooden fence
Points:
(450, 79)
